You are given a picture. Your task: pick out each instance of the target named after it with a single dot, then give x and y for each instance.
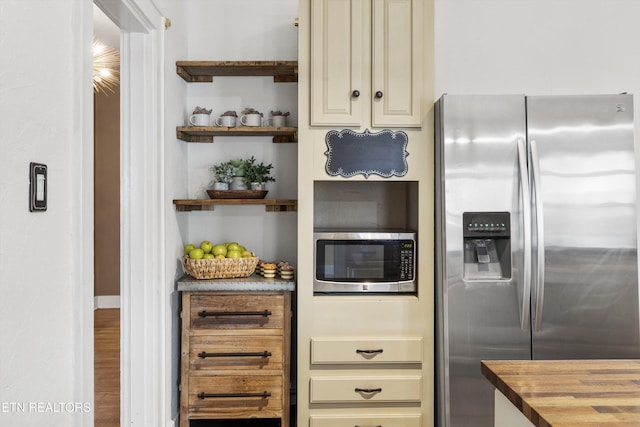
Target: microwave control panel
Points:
(406, 259)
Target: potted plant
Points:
(257, 174)
(278, 119)
(224, 174)
(238, 182)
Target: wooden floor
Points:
(107, 367)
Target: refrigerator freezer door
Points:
(476, 171)
(587, 305)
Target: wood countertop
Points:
(570, 393)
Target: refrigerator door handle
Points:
(526, 218)
(535, 163)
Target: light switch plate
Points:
(37, 187)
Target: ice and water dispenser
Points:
(487, 245)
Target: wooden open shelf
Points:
(206, 133)
(271, 205)
(204, 71)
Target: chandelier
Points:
(106, 66)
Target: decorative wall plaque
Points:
(350, 153)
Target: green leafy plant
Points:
(239, 164)
(257, 172)
(224, 172)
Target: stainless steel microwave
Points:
(364, 261)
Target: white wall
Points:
(250, 30)
(537, 47)
(43, 269)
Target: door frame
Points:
(143, 379)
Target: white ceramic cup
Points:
(251, 119)
(228, 121)
(200, 119)
(277, 121)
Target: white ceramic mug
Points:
(251, 119)
(228, 121)
(277, 121)
(199, 119)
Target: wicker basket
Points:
(222, 268)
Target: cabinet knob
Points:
(355, 93)
(379, 94)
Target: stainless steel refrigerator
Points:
(535, 238)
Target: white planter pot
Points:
(238, 184)
(220, 185)
(258, 186)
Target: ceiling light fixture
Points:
(106, 68)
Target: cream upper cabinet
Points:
(366, 62)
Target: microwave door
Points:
(367, 270)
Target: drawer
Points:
(235, 396)
(366, 421)
(366, 351)
(236, 311)
(236, 352)
(400, 388)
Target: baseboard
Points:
(106, 301)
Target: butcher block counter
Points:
(572, 393)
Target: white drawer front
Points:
(366, 421)
(366, 351)
(366, 389)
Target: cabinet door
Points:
(397, 52)
(337, 55)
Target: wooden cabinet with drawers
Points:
(235, 356)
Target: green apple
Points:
(233, 246)
(206, 246)
(196, 253)
(247, 254)
(219, 249)
(188, 248)
(208, 256)
(234, 254)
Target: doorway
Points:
(143, 375)
(106, 137)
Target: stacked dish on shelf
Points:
(275, 269)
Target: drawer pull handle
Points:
(204, 354)
(379, 425)
(378, 351)
(264, 313)
(263, 395)
(368, 390)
